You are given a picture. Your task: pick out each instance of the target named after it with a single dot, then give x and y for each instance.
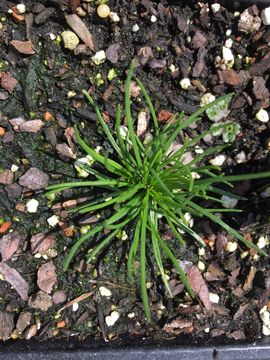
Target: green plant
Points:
(145, 182)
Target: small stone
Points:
(112, 318)
(105, 292)
(114, 17)
(153, 18)
(32, 206)
(185, 83)
(53, 220)
(14, 168)
(214, 298)
(207, 99)
(70, 39)
(262, 115)
(135, 28)
(262, 242)
(228, 201)
(265, 15)
(228, 57)
(265, 316)
(103, 11)
(20, 8)
(241, 157)
(231, 246)
(201, 266)
(75, 307)
(215, 8)
(228, 43)
(265, 330)
(99, 57)
(218, 160)
(44, 15)
(24, 321)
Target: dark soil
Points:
(36, 297)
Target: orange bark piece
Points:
(4, 227)
(69, 231)
(164, 115)
(48, 116)
(61, 324)
(16, 16)
(2, 131)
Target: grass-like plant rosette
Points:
(147, 182)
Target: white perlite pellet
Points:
(231, 246)
(214, 298)
(105, 292)
(32, 206)
(218, 160)
(111, 319)
(215, 8)
(265, 15)
(262, 115)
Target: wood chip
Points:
(249, 280)
(9, 244)
(23, 47)
(6, 325)
(6, 177)
(41, 243)
(42, 301)
(78, 26)
(199, 286)
(34, 179)
(46, 277)
(8, 82)
(15, 280)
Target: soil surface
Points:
(40, 100)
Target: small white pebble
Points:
(201, 265)
(189, 219)
(214, 298)
(198, 150)
(53, 220)
(105, 292)
(71, 94)
(207, 99)
(244, 254)
(114, 17)
(236, 14)
(218, 160)
(228, 201)
(99, 57)
(75, 307)
(37, 256)
(14, 168)
(263, 309)
(265, 316)
(262, 242)
(231, 246)
(131, 315)
(111, 319)
(21, 8)
(52, 36)
(32, 206)
(228, 43)
(135, 28)
(227, 56)
(262, 115)
(185, 83)
(240, 157)
(153, 18)
(265, 330)
(215, 8)
(201, 251)
(207, 330)
(265, 15)
(228, 32)
(173, 68)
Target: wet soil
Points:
(40, 100)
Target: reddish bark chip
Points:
(9, 244)
(6, 325)
(6, 177)
(23, 47)
(46, 277)
(41, 243)
(8, 82)
(198, 285)
(15, 280)
(34, 179)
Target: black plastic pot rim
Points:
(66, 352)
